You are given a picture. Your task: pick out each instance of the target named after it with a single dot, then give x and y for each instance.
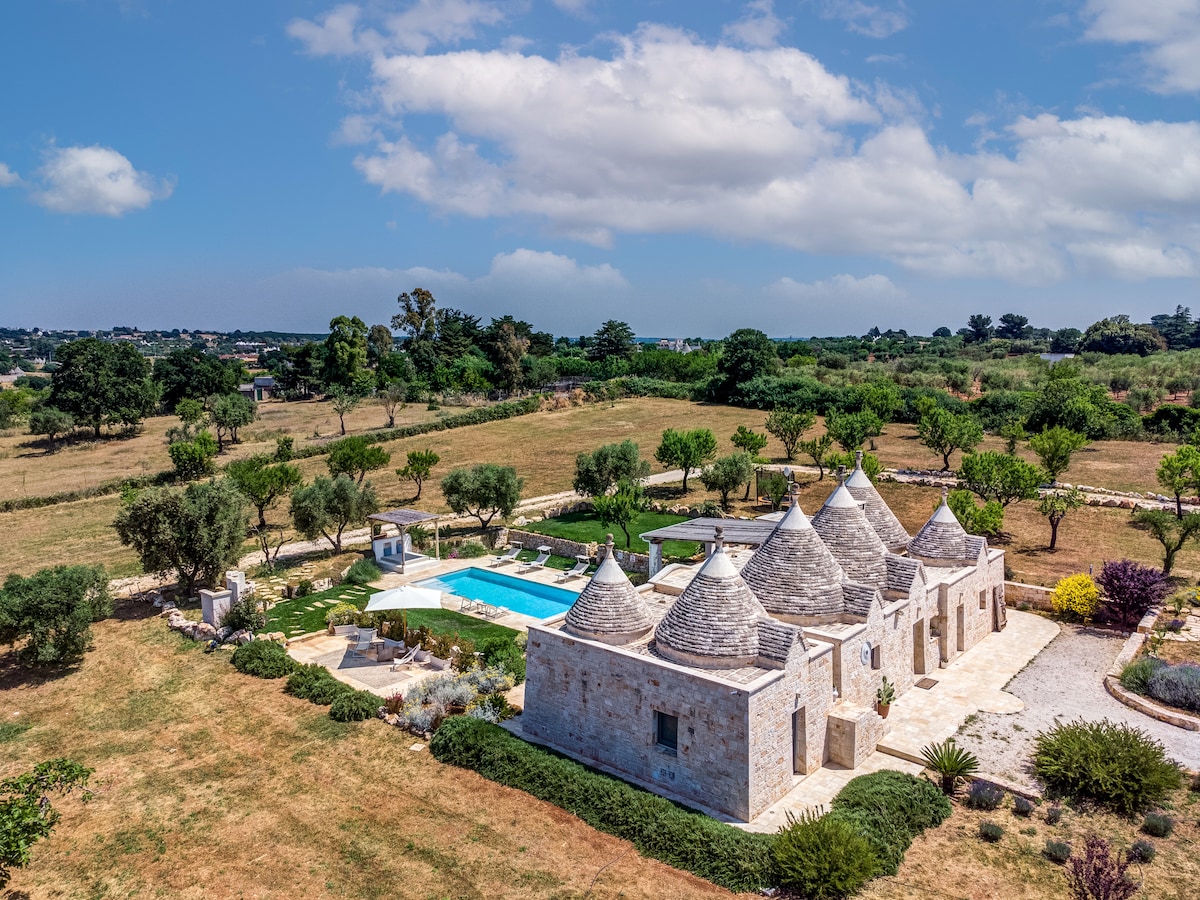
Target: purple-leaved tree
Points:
(1129, 590)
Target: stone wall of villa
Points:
(1036, 596)
(975, 592)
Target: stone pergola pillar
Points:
(656, 562)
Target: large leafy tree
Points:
(420, 464)
(228, 413)
(943, 431)
(52, 611)
(1119, 335)
(196, 532)
(483, 491)
(613, 339)
(26, 812)
(979, 329)
(191, 373)
(328, 506)
(687, 450)
(1055, 447)
(789, 426)
(1013, 327)
(505, 350)
(746, 354)
(345, 354)
(102, 384)
(262, 481)
(992, 475)
(1173, 533)
(355, 456)
(727, 474)
(850, 430)
(1067, 400)
(621, 507)
(599, 470)
(1129, 590)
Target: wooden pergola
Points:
(402, 519)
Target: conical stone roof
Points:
(942, 537)
(714, 623)
(881, 517)
(793, 573)
(609, 609)
(844, 528)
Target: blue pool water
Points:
(526, 597)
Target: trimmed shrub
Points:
(342, 614)
(890, 809)
(1076, 597)
(1142, 852)
(1136, 675)
(246, 615)
(984, 795)
(1022, 807)
(469, 550)
(263, 659)
(304, 588)
(1100, 874)
(1158, 825)
(1054, 815)
(822, 856)
(504, 653)
(354, 706)
(1057, 851)
(1119, 766)
(364, 571)
(315, 684)
(990, 832)
(658, 828)
(1177, 686)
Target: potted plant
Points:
(884, 697)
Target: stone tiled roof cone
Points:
(843, 526)
(942, 537)
(792, 573)
(714, 623)
(609, 609)
(882, 519)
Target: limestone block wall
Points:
(597, 704)
(1036, 596)
(975, 592)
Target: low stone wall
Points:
(1016, 592)
(530, 540)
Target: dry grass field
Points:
(211, 784)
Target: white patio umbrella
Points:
(408, 596)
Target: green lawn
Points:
(585, 527)
(305, 615)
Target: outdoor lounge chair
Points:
(581, 565)
(491, 612)
(364, 639)
(407, 658)
(466, 604)
(507, 556)
(540, 562)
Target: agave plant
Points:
(950, 763)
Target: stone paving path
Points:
(1064, 683)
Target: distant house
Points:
(11, 376)
(679, 345)
(1053, 358)
(262, 388)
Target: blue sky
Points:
(804, 167)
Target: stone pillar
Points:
(656, 562)
(235, 583)
(214, 605)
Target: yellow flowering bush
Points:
(1076, 596)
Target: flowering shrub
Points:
(342, 614)
(1076, 596)
(430, 701)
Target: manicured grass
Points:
(305, 615)
(446, 621)
(585, 527)
(554, 562)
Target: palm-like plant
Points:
(950, 763)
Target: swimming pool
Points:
(530, 598)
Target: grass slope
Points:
(586, 527)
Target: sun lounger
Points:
(540, 562)
(364, 640)
(580, 567)
(491, 612)
(466, 604)
(507, 556)
(406, 658)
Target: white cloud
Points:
(1168, 30)
(573, 7)
(876, 59)
(838, 288)
(546, 288)
(759, 27)
(8, 178)
(668, 134)
(868, 19)
(95, 180)
(421, 25)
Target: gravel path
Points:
(1065, 682)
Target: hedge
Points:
(657, 827)
(890, 809)
(104, 489)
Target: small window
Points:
(666, 731)
(983, 599)
(876, 657)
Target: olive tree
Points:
(997, 476)
(621, 507)
(51, 422)
(1168, 530)
(727, 474)
(1055, 505)
(605, 466)
(228, 413)
(788, 427)
(51, 612)
(687, 450)
(1054, 448)
(420, 465)
(483, 491)
(943, 432)
(262, 481)
(328, 506)
(26, 813)
(355, 456)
